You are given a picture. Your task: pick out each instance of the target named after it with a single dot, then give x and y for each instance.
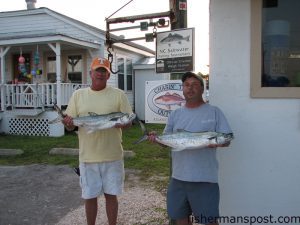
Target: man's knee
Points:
(109, 197)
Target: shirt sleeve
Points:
(71, 109)
(222, 124)
(170, 124)
(124, 104)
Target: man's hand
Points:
(68, 123)
(152, 136)
(123, 126)
(218, 145)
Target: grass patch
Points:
(151, 159)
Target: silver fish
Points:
(189, 140)
(174, 38)
(95, 122)
(182, 140)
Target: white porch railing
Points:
(36, 95)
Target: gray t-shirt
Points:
(196, 165)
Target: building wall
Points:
(259, 172)
(142, 74)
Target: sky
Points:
(94, 12)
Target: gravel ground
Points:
(140, 204)
(136, 206)
(50, 195)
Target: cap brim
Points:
(96, 67)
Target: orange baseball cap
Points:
(100, 62)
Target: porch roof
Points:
(15, 39)
(52, 36)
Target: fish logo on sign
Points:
(168, 100)
(164, 98)
(174, 38)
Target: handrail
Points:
(37, 95)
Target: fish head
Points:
(126, 118)
(224, 138)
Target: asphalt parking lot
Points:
(37, 194)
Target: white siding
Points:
(259, 173)
(35, 25)
(45, 22)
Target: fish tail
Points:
(59, 111)
(143, 138)
(61, 115)
(143, 128)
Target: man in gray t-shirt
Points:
(193, 189)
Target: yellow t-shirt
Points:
(104, 145)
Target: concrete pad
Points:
(7, 152)
(75, 151)
(128, 154)
(64, 151)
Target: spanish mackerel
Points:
(182, 140)
(95, 122)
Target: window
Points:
(75, 68)
(176, 76)
(51, 69)
(125, 74)
(275, 48)
(129, 74)
(121, 73)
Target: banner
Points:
(161, 97)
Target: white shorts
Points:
(99, 178)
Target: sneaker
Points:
(77, 170)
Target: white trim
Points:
(125, 58)
(56, 38)
(2, 55)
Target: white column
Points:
(2, 58)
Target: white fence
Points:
(35, 95)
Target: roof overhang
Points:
(137, 50)
(49, 39)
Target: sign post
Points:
(179, 20)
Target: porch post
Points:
(2, 58)
(58, 74)
(57, 51)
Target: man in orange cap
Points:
(100, 153)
